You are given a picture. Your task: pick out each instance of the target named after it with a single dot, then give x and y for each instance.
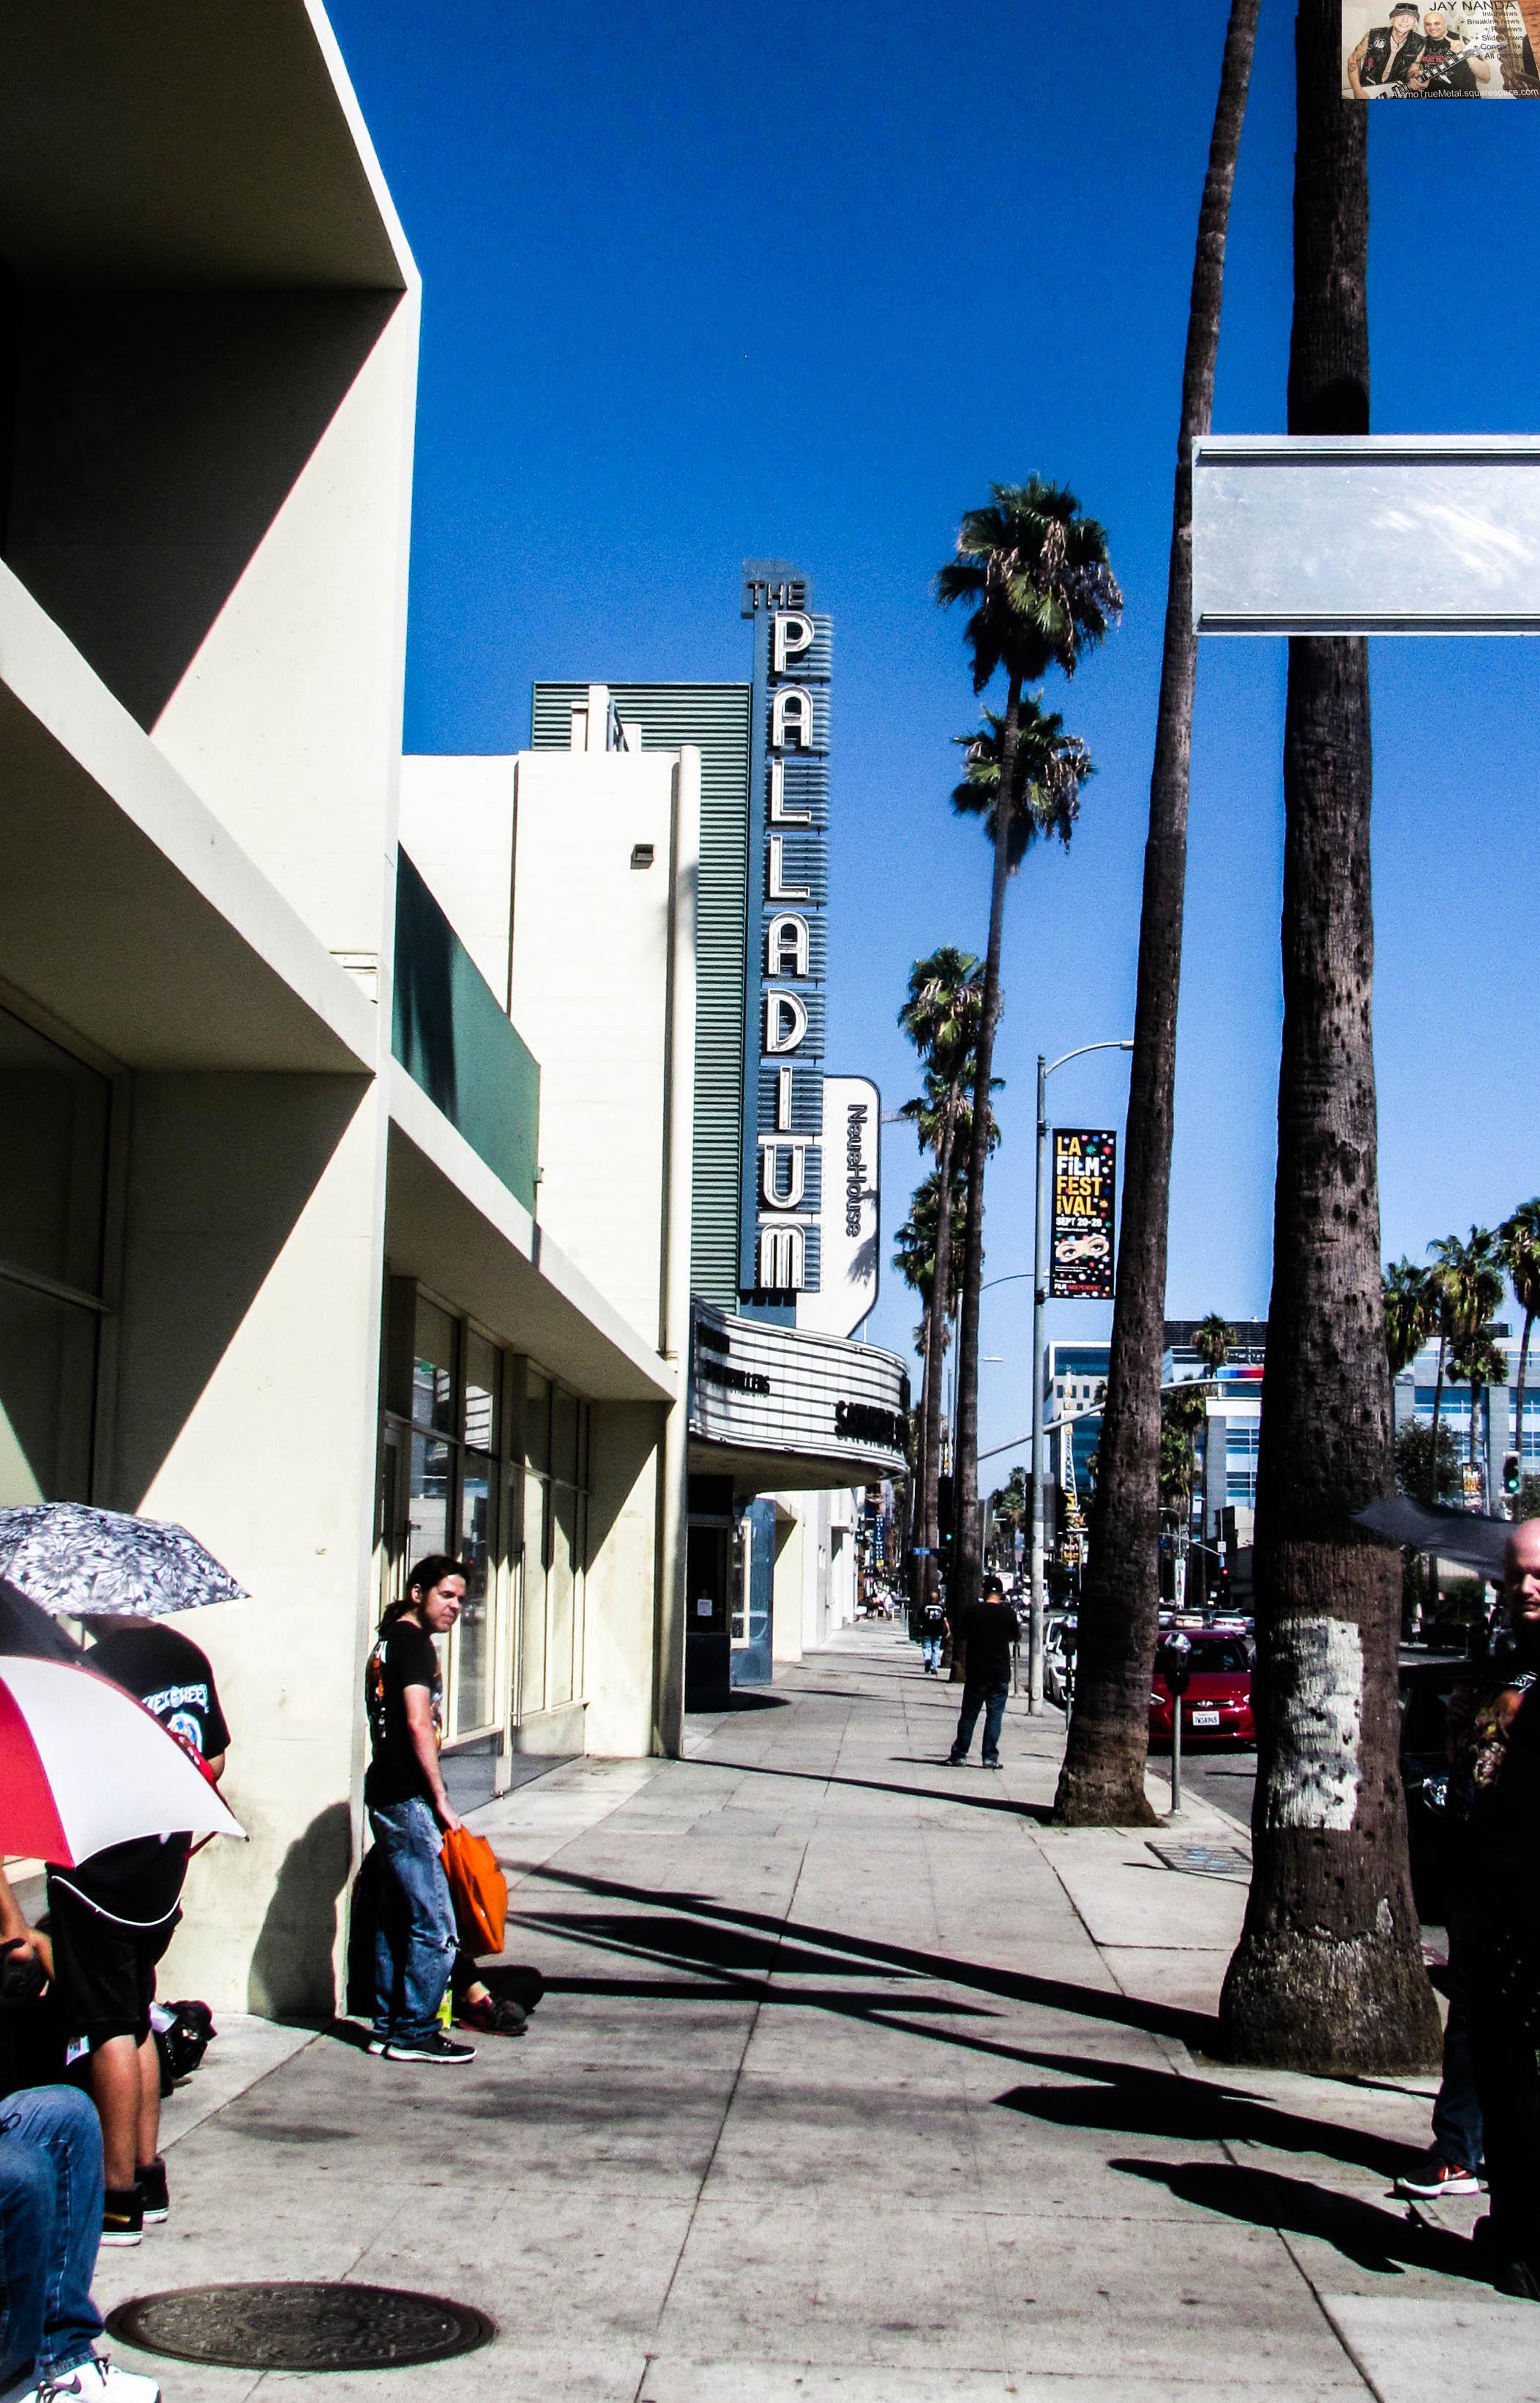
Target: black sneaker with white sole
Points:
(438, 2049)
(151, 2183)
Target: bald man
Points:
(1496, 1789)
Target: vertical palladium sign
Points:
(1085, 1178)
(782, 1183)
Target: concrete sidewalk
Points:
(856, 2081)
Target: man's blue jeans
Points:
(50, 2225)
(991, 1700)
(414, 1945)
(1457, 2133)
(930, 1651)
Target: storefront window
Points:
(53, 1169)
(556, 1441)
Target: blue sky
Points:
(700, 285)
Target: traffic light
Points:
(1512, 1480)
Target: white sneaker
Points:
(101, 2381)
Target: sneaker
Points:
(956, 1760)
(996, 1763)
(122, 2216)
(377, 2044)
(1434, 2177)
(101, 2381)
(151, 2183)
(494, 2015)
(441, 2050)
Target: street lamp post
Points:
(1039, 1298)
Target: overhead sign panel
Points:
(848, 1239)
(1085, 1179)
(1474, 50)
(757, 1386)
(1373, 533)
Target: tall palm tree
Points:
(1478, 1360)
(1328, 1974)
(1212, 1339)
(1102, 1779)
(1035, 576)
(1468, 1279)
(1411, 1308)
(940, 1016)
(1412, 1313)
(1519, 1249)
(1051, 767)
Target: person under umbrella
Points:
(113, 1915)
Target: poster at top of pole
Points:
(1085, 1179)
(1473, 50)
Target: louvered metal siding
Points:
(714, 717)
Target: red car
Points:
(1216, 1706)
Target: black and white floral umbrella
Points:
(83, 1564)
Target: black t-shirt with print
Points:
(140, 1883)
(403, 1655)
(987, 1631)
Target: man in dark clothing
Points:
(987, 1633)
(112, 1917)
(1495, 1791)
(933, 1632)
(410, 1809)
(1384, 58)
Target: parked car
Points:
(1216, 1706)
(1058, 1644)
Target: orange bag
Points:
(478, 1889)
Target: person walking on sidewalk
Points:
(987, 1633)
(410, 1811)
(933, 1632)
(112, 1917)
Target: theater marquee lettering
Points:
(782, 1119)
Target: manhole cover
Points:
(1204, 1860)
(302, 2323)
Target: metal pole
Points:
(1039, 1297)
(1176, 1755)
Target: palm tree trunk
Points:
(917, 1472)
(941, 1306)
(1329, 1973)
(965, 1544)
(1519, 1413)
(1102, 1780)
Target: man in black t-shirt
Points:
(112, 1917)
(986, 1634)
(410, 1810)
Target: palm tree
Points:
(940, 1017)
(1102, 1779)
(1035, 575)
(1468, 1283)
(1212, 1339)
(1051, 767)
(1519, 1249)
(1412, 1313)
(1479, 1361)
(1328, 1974)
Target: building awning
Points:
(779, 1409)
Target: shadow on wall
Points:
(293, 1970)
(157, 438)
(220, 1169)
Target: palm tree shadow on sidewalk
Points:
(1363, 2233)
(1039, 1812)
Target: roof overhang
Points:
(126, 911)
(187, 144)
(452, 1224)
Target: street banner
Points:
(1085, 1178)
(1478, 49)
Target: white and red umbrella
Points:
(83, 1766)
